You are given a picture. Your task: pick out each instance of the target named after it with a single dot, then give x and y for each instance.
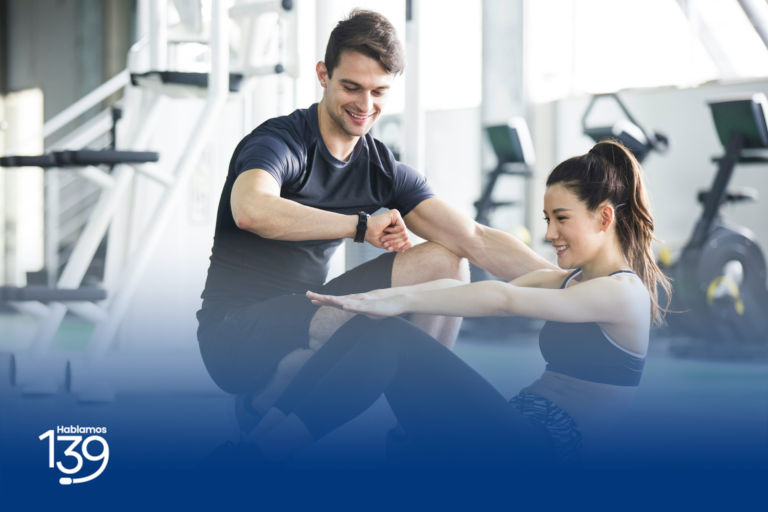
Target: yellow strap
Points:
(665, 256)
(732, 288)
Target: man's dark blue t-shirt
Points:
(248, 268)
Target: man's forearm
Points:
(499, 253)
(503, 255)
(282, 219)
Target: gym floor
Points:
(687, 410)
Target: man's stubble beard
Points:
(342, 125)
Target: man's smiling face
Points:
(356, 93)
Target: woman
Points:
(594, 341)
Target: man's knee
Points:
(444, 264)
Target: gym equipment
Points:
(81, 158)
(59, 160)
(514, 150)
(46, 294)
(515, 157)
(38, 370)
(246, 15)
(189, 85)
(95, 374)
(628, 131)
(720, 277)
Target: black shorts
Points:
(242, 344)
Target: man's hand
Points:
(387, 231)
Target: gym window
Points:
(576, 47)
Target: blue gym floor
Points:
(694, 412)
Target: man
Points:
(297, 186)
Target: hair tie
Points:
(595, 151)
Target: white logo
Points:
(70, 452)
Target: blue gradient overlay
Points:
(695, 435)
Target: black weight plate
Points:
(720, 320)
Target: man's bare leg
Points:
(425, 262)
(428, 262)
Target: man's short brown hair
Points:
(369, 33)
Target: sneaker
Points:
(247, 417)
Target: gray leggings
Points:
(448, 409)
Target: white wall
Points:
(674, 178)
(452, 160)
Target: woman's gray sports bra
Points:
(584, 351)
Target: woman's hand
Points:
(334, 300)
(363, 304)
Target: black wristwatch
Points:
(362, 227)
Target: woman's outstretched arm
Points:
(604, 299)
(536, 279)
(332, 300)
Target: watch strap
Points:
(362, 227)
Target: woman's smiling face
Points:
(573, 230)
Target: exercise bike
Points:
(512, 144)
(720, 277)
(640, 141)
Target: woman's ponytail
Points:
(610, 172)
